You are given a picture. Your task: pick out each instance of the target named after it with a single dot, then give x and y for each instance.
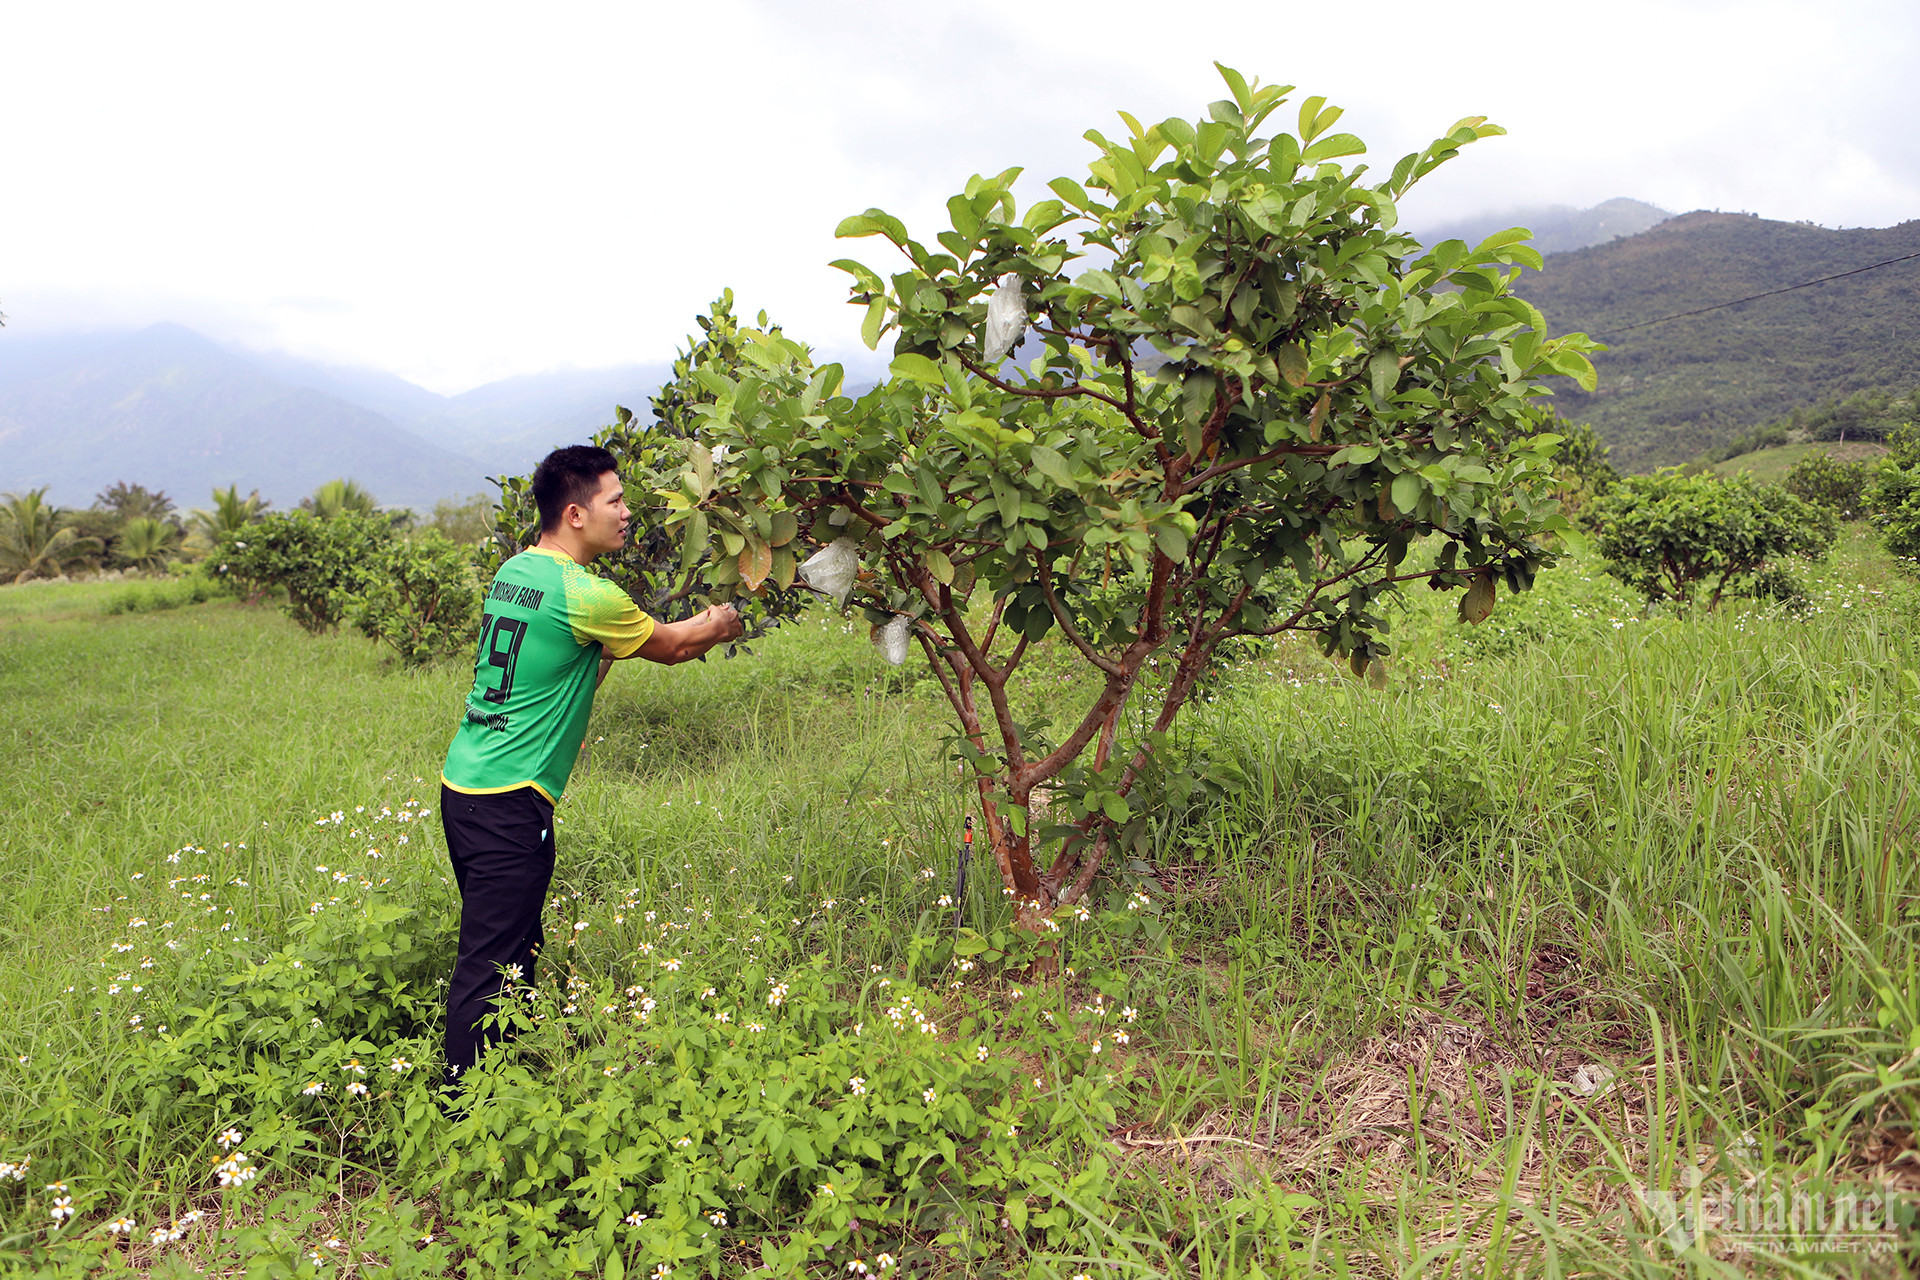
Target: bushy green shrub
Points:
(1825, 481)
(419, 596)
(1677, 537)
(723, 1107)
(1892, 496)
(322, 564)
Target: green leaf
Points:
(1050, 464)
(940, 567)
(1017, 1213)
(917, 368)
(1501, 239)
(1406, 492)
(1334, 144)
(1044, 216)
(1197, 394)
(693, 540)
(965, 220)
(1237, 84)
(1309, 112)
(874, 222)
(1172, 540)
(1384, 369)
(868, 279)
(1070, 191)
(870, 327)
(1101, 282)
(1575, 366)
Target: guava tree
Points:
(666, 576)
(1248, 398)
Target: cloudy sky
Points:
(465, 192)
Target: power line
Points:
(1721, 306)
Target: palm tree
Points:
(144, 542)
(337, 497)
(230, 513)
(131, 500)
(32, 539)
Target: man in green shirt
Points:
(549, 634)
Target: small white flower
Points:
(980, 1053)
(635, 1218)
(120, 1226)
(357, 1089)
(230, 1139)
(929, 1096)
(857, 1085)
(717, 1218)
(400, 1066)
(314, 1089)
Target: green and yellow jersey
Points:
(547, 621)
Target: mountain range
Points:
(173, 410)
(1674, 385)
(170, 409)
(1557, 228)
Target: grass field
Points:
(1482, 974)
(1770, 466)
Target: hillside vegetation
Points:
(1770, 466)
(1674, 391)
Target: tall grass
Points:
(1681, 850)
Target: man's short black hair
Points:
(569, 475)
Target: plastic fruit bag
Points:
(894, 639)
(832, 569)
(1006, 318)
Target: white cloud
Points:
(463, 192)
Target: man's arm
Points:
(676, 642)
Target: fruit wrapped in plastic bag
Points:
(832, 569)
(1006, 318)
(895, 638)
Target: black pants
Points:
(502, 851)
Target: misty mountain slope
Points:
(169, 409)
(1670, 391)
(1557, 228)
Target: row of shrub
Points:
(417, 594)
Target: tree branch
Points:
(1065, 619)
